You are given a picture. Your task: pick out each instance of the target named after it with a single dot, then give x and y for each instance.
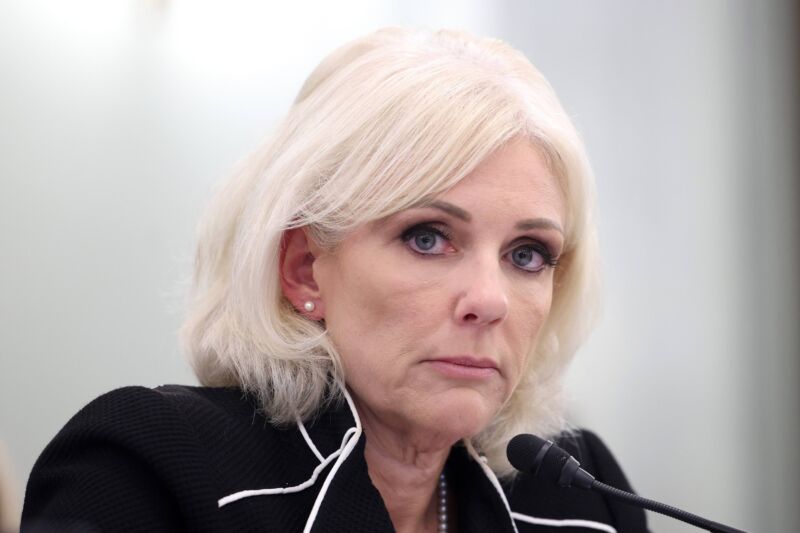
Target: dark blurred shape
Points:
(9, 499)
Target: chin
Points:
(462, 414)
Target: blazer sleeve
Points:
(98, 473)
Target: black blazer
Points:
(165, 459)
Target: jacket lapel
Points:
(352, 503)
(479, 507)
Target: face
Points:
(435, 309)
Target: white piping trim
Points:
(309, 441)
(282, 490)
(495, 483)
(351, 443)
(568, 522)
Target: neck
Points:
(406, 473)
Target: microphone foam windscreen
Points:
(522, 451)
(538, 457)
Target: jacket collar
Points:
(348, 501)
(352, 503)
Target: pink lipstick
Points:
(464, 367)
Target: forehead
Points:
(514, 180)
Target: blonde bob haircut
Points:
(384, 123)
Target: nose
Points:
(482, 299)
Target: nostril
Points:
(471, 317)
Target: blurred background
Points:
(117, 117)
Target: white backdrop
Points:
(117, 117)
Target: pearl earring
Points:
(309, 306)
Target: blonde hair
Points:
(383, 123)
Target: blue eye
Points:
(426, 240)
(531, 257)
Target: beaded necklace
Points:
(442, 509)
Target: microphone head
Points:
(523, 450)
(540, 458)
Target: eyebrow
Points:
(451, 209)
(538, 223)
(522, 225)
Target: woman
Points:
(385, 294)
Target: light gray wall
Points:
(685, 108)
(117, 117)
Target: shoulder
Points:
(164, 427)
(140, 459)
(135, 401)
(141, 418)
(543, 503)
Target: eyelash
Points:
(539, 248)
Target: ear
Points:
(297, 275)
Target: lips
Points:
(468, 361)
(465, 367)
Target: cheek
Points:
(376, 314)
(526, 326)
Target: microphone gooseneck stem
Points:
(664, 509)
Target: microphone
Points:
(543, 459)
